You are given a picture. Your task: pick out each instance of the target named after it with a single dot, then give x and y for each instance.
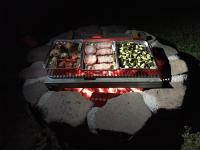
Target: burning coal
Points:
(101, 95)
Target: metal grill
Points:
(145, 78)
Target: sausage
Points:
(105, 59)
(104, 51)
(104, 45)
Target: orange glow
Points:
(139, 90)
(112, 90)
(101, 90)
(89, 92)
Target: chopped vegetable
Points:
(64, 55)
(133, 55)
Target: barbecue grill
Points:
(101, 85)
(131, 77)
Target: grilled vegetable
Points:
(64, 55)
(55, 52)
(53, 62)
(133, 55)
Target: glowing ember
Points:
(112, 90)
(101, 90)
(139, 90)
(87, 92)
(101, 95)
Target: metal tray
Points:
(114, 54)
(139, 42)
(82, 73)
(61, 49)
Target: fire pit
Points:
(102, 68)
(101, 84)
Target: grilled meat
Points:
(105, 59)
(104, 51)
(104, 45)
(90, 59)
(64, 64)
(68, 45)
(102, 66)
(89, 49)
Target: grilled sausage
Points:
(105, 59)
(104, 45)
(104, 51)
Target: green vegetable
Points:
(133, 55)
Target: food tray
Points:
(81, 72)
(96, 56)
(135, 55)
(64, 54)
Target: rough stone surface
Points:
(91, 119)
(34, 71)
(68, 107)
(166, 98)
(38, 54)
(177, 84)
(173, 57)
(126, 113)
(33, 89)
(178, 66)
(169, 51)
(143, 34)
(179, 78)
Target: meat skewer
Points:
(105, 59)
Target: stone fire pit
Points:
(127, 113)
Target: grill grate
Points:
(90, 74)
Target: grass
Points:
(186, 37)
(191, 140)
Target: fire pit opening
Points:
(101, 95)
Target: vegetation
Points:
(186, 37)
(191, 140)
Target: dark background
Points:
(44, 19)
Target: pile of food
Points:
(104, 55)
(99, 56)
(64, 54)
(134, 55)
